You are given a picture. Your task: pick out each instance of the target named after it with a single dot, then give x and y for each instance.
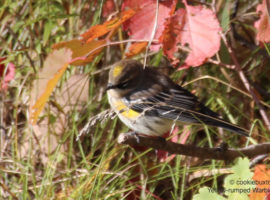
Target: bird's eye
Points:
(124, 84)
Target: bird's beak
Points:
(110, 86)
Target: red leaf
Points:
(201, 32)
(171, 36)
(195, 26)
(185, 134)
(7, 73)
(263, 24)
(108, 8)
(164, 155)
(141, 25)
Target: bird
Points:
(150, 103)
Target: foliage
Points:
(232, 183)
(54, 59)
(241, 183)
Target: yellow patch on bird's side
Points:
(126, 111)
(117, 70)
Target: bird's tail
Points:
(211, 118)
(226, 125)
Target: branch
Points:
(194, 151)
(246, 83)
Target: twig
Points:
(152, 34)
(221, 64)
(106, 114)
(23, 47)
(257, 159)
(268, 10)
(246, 83)
(5, 188)
(224, 83)
(112, 43)
(192, 150)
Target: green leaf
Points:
(47, 31)
(207, 193)
(225, 17)
(239, 184)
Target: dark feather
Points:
(170, 101)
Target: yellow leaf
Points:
(55, 65)
(82, 53)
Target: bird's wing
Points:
(180, 105)
(175, 104)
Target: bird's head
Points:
(124, 76)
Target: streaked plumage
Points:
(149, 102)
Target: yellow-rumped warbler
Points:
(150, 103)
